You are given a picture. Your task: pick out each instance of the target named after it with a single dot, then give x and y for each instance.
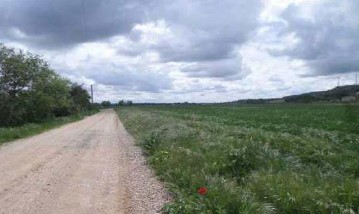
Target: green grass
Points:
(8, 134)
(253, 159)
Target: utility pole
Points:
(92, 94)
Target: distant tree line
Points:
(108, 104)
(125, 103)
(30, 91)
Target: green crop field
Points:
(252, 159)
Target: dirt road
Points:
(90, 166)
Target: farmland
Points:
(252, 159)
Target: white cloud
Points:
(191, 51)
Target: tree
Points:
(80, 98)
(51, 93)
(125, 103)
(121, 103)
(16, 70)
(8, 113)
(18, 77)
(30, 91)
(106, 104)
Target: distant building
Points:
(348, 99)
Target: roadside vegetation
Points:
(8, 134)
(252, 159)
(33, 97)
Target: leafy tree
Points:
(121, 103)
(30, 91)
(9, 111)
(16, 71)
(17, 77)
(106, 104)
(80, 98)
(52, 95)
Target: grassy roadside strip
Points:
(246, 169)
(8, 134)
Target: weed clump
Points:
(151, 143)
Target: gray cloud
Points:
(207, 30)
(224, 69)
(134, 81)
(129, 78)
(204, 33)
(327, 38)
(199, 87)
(205, 40)
(205, 36)
(63, 23)
(134, 77)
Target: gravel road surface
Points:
(90, 166)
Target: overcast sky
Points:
(190, 50)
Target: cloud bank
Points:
(190, 50)
(326, 35)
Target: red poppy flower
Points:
(202, 190)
